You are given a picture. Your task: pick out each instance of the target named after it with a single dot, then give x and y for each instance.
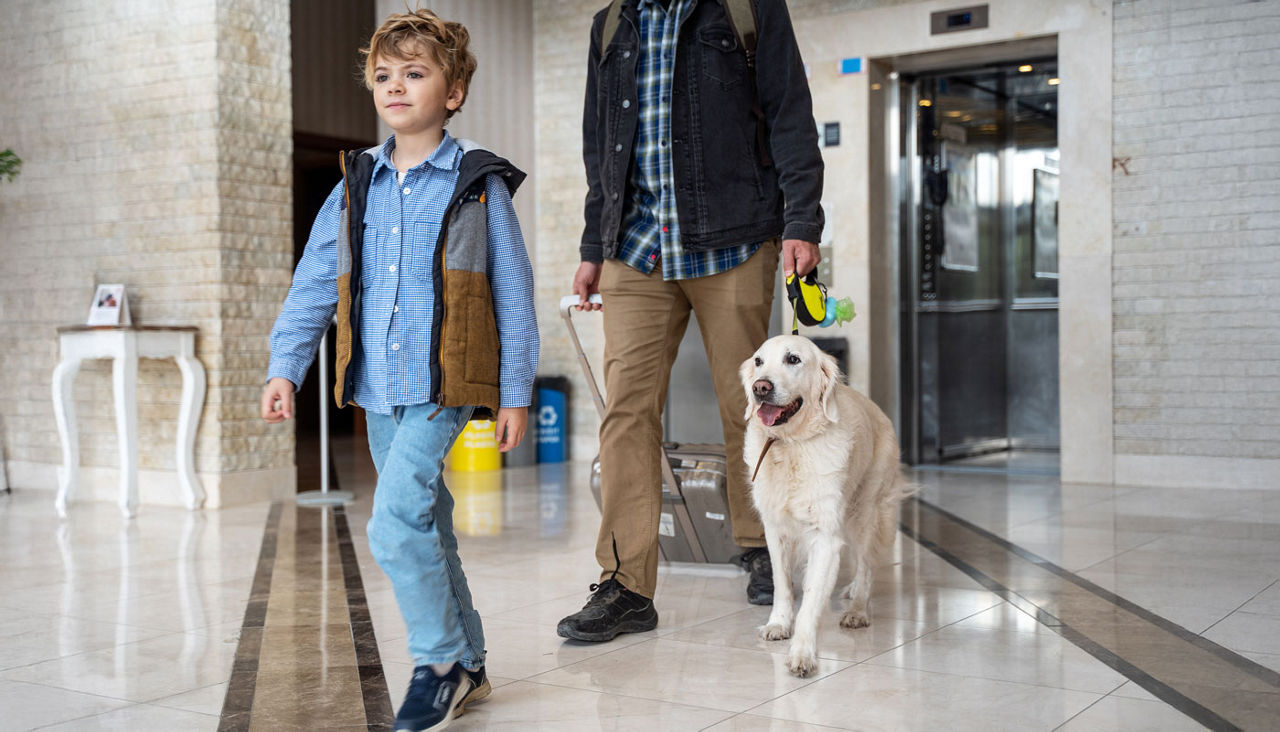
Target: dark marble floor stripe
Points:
(238, 703)
(1211, 684)
(373, 682)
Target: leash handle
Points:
(808, 299)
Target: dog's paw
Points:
(855, 619)
(774, 631)
(802, 661)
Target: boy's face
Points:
(410, 94)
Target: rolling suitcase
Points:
(693, 525)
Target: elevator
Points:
(978, 272)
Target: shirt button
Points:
(626, 103)
(406, 190)
(724, 42)
(395, 230)
(662, 143)
(393, 267)
(626, 54)
(615, 195)
(395, 346)
(395, 308)
(617, 148)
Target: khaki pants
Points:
(644, 320)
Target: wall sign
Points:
(851, 66)
(830, 134)
(959, 19)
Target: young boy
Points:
(419, 253)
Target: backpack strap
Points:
(610, 24)
(742, 16)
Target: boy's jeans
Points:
(411, 532)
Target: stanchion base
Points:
(324, 498)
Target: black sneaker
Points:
(613, 609)
(760, 583)
(434, 701)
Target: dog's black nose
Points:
(762, 388)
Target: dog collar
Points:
(767, 445)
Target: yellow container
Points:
(475, 449)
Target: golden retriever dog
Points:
(825, 479)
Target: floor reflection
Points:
(105, 623)
(477, 497)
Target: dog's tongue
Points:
(769, 413)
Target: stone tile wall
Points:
(156, 139)
(1197, 231)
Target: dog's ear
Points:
(830, 376)
(745, 372)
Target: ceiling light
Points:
(926, 103)
(1054, 81)
(1024, 68)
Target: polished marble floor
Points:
(1021, 603)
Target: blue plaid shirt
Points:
(402, 226)
(650, 228)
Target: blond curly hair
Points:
(403, 36)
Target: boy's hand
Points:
(277, 400)
(510, 427)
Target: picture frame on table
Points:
(110, 306)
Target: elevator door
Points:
(980, 265)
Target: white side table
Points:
(125, 344)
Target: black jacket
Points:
(725, 194)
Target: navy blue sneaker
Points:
(432, 702)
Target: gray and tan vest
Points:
(464, 333)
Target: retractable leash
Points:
(811, 305)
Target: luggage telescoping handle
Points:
(567, 305)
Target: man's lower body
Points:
(644, 321)
(411, 537)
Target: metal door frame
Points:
(901, 136)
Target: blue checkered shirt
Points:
(650, 227)
(402, 226)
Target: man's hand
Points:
(510, 427)
(277, 400)
(799, 256)
(586, 282)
